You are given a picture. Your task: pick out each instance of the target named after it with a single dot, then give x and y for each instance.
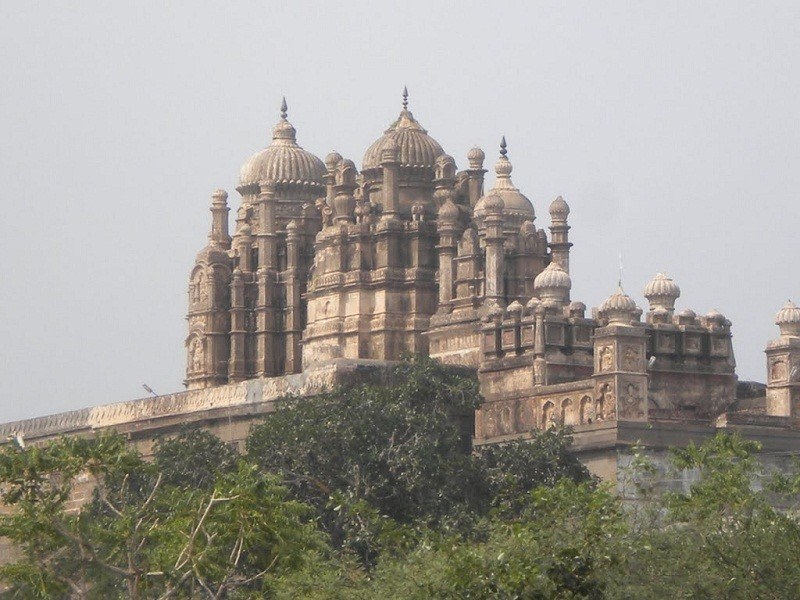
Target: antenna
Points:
(149, 390)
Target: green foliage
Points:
(370, 492)
(195, 458)
(564, 546)
(140, 536)
(383, 464)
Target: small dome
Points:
(618, 301)
(687, 313)
(553, 277)
(415, 148)
(559, 209)
(448, 211)
(661, 293)
(661, 285)
(715, 315)
(493, 203)
(533, 304)
(476, 156)
(790, 313)
(517, 206)
(515, 308)
(788, 319)
(332, 160)
(284, 162)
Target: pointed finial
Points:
(405, 98)
(284, 109)
(619, 283)
(503, 145)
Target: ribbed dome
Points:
(618, 301)
(619, 308)
(553, 277)
(661, 292)
(790, 313)
(559, 209)
(661, 285)
(517, 206)
(284, 162)
(448, 211)
(476, 156)
(415, 148)
(788, 319)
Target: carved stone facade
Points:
(409, 254)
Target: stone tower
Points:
(246, 310)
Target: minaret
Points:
(559, 233)
(783, 364)
(475, 174)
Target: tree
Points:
(384, 463)
(140, 536)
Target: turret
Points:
(783, 364)
(559, 233)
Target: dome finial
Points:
(503, 146)
(405, 97)
(284, 109)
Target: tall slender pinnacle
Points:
(405, 98)
(284, 109)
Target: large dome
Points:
(415, 148)
(284, 162)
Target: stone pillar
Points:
(539, 346)
(475, 175)
(292, 324)
(494, 238)
(389, 229)
(267, 236)
(237, 367)
(448, 240)
(219, 220)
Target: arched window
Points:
(547, 415)
(587, 414)
(567, 414)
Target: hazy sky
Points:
(672, 129)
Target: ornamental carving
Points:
(778, 371)
(631, 404)
(606, 360)
(195, 358)
(604, 404)
(632, 359)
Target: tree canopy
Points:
(372, 491)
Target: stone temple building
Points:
(331, 271)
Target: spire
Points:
(503, 168)
(405, 98)
(284, 131)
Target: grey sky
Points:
(672, 129)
